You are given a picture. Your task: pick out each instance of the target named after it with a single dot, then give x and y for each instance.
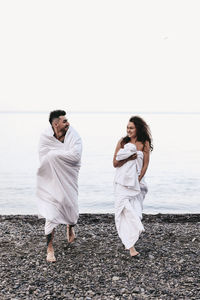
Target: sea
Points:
(173, 175)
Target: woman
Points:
(131, 158)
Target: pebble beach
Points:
(96, 265)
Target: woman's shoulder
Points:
(119, 144)
(139, 146)
(144, 147)
(119, 141)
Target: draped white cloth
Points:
(57, 178)
(129, 196)
(126, 175)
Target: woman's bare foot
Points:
(133, 252)
(70, 234)
(50, 251)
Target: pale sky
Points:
(100, 55)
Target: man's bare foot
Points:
(133, 252)
(50, 255)
(70, 234)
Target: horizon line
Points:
(101, 112)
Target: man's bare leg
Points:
(133, 252)
(50, 250)
(70, 233)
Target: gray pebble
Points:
(96, 266)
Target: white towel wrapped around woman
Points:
(57, 178)
(129, 196)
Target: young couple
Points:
(60, 150)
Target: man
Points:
(60, 150)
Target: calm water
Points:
(173, 176)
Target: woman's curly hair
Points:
(142, 131)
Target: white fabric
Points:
(129, 199)
(127, 175)
(57, 178)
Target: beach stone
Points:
(90, 293)
(151, 256)
(96, 265)
(115, 278)
(136, 290)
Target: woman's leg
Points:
(50, 250)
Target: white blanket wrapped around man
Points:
(129, 196)
(57, 178)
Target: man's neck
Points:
(59, 135)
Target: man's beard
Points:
(64, 130)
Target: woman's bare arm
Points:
(146, 153)
(119, 163)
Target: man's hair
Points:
(56, 114)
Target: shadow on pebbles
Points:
(96, 265)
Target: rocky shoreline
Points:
(96, 266)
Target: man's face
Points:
(62, 124)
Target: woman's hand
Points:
(132, 157)
(119, 163)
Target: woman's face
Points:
(131, 130)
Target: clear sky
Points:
(100, 55)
